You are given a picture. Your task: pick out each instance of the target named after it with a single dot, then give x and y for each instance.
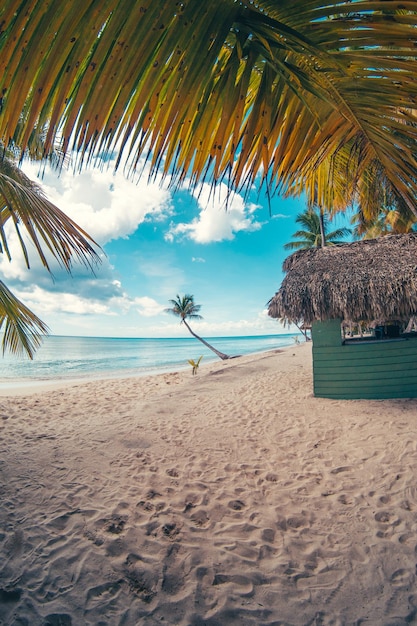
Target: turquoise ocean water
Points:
(95, 357)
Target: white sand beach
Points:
(233, 497)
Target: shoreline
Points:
(231, 497)
(68, 358)
(31, 386)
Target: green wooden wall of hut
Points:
(362, 369)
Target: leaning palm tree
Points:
(311, 236)
(185, 308)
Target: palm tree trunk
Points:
(219, 354)
(412, 323)
(322, 230)
(303, 332)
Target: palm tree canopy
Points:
(185, 308)
(310, 237)
(386, 221)
(299, 93)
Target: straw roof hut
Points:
(365, 280)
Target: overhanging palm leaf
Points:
(23, 204)
(22, 328)
(222, 89)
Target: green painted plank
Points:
(366, 376)
(374, 346)
(359, 391)
(341, 354)
(381, 346)
(341, 385)
(373, 395)
(406, 364)
(328, 367)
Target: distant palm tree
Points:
(386, 222)
(185, 308)
(312, 234)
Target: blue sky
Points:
(156, 244)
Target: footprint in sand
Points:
(383, 516)
(271, 477)
(236, 505)
(243, 586)
(170, 529)
(115, 524)
(143, 584)
(268, 534)
(402, 577)
(10, 595)
(58, 619)
(174, 571)
(346, 499)
(385, 499)
(116, 548)
(296, 522)
(94, 538)
(101, 594)
(388, 522)
(200, 518)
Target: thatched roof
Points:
(364, 280)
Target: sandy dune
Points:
(230, 498)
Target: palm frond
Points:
(224, 90)
(184, 307)
(23, 203)
(311, 236)
(22, 329)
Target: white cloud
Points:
(221, 217)
(17, 270)
(106, 206)
(259, 325)
(147, 307)
(45, 302)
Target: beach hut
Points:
(373, 282)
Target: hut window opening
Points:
(379, 330)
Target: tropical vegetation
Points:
(185, 308)
(45, 230)
(314, 232)
(385, 222)
(195, 364)
(288, 95)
